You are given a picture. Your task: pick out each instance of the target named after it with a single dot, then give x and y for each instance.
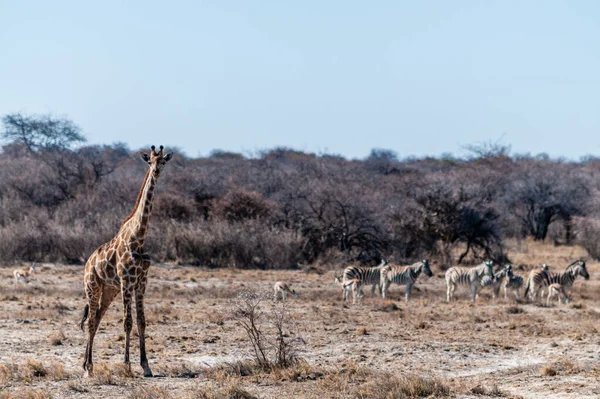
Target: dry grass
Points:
(193, 340)
(26, 393)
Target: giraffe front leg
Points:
(141, 324)
(127, 292)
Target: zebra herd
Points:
(540, 279)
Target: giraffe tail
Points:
(86, 311)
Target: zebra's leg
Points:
(372, 290)
(408, 291)
(473, 291)
(449, 290)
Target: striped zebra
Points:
(406, 275)
(513, 282)
(472, 276)
(498, 280)
(366, 275)
(543, 278)
(537, 280)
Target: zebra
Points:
(566, 279)
(536, 281)
(366, 275)
(558, 291)
(500, 276)
(513, 282)
(403, 275)
(467, 276)
(284, 289)
(353, 285)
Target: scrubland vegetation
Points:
(60, 198)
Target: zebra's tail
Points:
(86, 311)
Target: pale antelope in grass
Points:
(366, 275)
(406, 275)
(467, 276)
(557, 291)
(284, 289)
(353, 285)
(565, 279)
(23, 275)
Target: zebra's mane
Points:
(578, 262)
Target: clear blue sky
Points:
(418, 77)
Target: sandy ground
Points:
(525, 350)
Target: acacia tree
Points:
(540, 196)
(41, 132)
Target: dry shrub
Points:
(229, 390)
(31, 370)
(494, 391)
(390, 386)
(56, 339)
(548, 370)
(563, 366)
(268, 332)
(151, 392)
(514, 310)
(26, 393)
(386, 306)
(237, 206)
(105, 375)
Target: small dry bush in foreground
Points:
(26, 394)
(268, 331)
(31, 370)
(389, 386)
(228, 390)
(151, 392)
(562, 366)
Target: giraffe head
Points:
(156, 159)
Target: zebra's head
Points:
(508, 270)
(426, 268)
(545, 267)
(578, 268)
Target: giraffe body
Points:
(121, 266)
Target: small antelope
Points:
(557, 290)
(354, 285)
(22, 275)
(284, 289)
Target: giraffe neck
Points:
(137, 222)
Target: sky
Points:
(421, 78)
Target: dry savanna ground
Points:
(377, 349)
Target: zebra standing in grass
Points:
(406, 275)
(500, 277)
(537, 280)
(546, 278)
(513, 282)
(467, 276)
(567, 278)
(366, 275)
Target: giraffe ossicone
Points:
(121, 265)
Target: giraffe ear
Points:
(168, 157)
(145, 157)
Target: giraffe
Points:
(120, 265)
